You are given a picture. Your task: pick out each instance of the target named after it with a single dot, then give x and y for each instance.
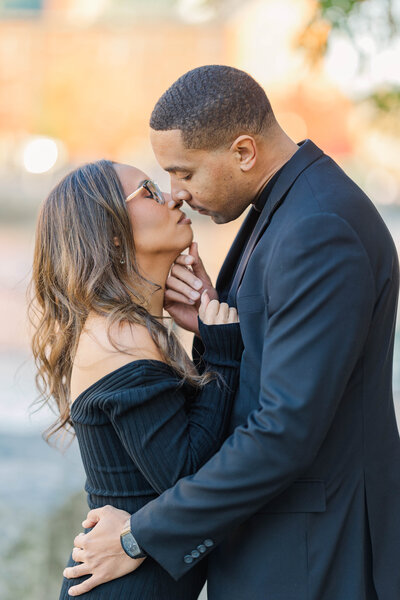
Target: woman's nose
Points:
(171, 203)
(174, 203)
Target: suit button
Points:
(208, 543)
(201, 548)
(195, 554)
(188, 559)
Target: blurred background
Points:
(78, 80)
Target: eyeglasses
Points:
(151, 187)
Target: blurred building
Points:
(88, 72)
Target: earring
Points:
(122, 260)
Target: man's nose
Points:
(179, 194)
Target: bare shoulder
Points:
(96, 356)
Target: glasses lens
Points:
(154, 190)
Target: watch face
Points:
(131, 546)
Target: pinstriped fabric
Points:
(140, 429)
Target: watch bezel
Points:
(130, 545)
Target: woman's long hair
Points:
(77, 269)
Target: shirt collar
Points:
(259, 203)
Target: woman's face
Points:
(157, 228)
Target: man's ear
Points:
(245, 149)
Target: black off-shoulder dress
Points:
(139, 430)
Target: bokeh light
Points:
(40, 155)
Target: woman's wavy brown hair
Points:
(77, 269)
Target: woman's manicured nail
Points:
(189, 260)
(197, 284)
(194, 295)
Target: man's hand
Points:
(100, 550)
(188, 279)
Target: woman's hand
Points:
(187, 280)
(213, 312)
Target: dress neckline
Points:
(107, 376)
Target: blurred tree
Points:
(348, 17)
(378, 19)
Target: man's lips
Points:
(201, 211)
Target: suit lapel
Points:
(304, 157)
(232, 259)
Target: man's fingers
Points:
(92, 518)
(76, 571)
(182, 273)
(85, 586)
(172, 296)
(80, 540)
(177, 285)
(185, 260)
(78, 554)
(197, 265)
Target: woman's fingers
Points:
(212, 312)
(204, 302)
(233, 316)
(223, 314)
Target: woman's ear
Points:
(245, 149)
(116, 241)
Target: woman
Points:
(144, 417)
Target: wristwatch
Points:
(129, 544)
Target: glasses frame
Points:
(150, 186)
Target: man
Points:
(302, 502)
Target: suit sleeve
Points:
(169, 429)
(320, 293)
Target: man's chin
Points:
(221, 219)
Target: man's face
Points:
(210, 181)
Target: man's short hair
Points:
(212, 105)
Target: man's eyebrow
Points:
(176, 168)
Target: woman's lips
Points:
(184, 220)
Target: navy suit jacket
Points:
(302, 501)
